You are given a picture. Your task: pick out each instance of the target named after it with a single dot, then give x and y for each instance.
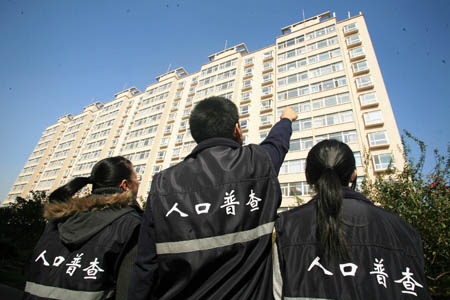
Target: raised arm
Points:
(277, 141)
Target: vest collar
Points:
(213, 142)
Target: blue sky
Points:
(57, 56)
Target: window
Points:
(303, 124)
(301, 144)
(360, 66)
(356, 52)
(293, 93)
(358, 160)
(172, 116)
(368, 99)
(156, 169)
(178, 94)
(183, 124)
(382, 161)
(180, 84)
(179, 138)
(186, 112)
(265, 119)
(245, 96)
(160, 155)
(266, 104)
(300, 107)
(248, 71)
(350, 27)
(373, 118)
(248, 61)
(267, 90)
(243, 124)
(168, 128)
(175, 104)
(164, 141)
(268, 65)
(268, 54)
(339, 66)
(378, 138)
(333, 119)
(331, 100)
(293, 166)
(353, 39)
(263, 135)
(224, 86)
(292, 189)
(176, 152)
(267, 77)
(244, 109)
(247, 83)
(328, 84)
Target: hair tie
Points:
(328, 169)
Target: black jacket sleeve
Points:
(144, 274)
(277, 142)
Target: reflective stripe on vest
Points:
(66, 294)
(214, 242)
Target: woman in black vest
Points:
(341, 246)
(89, 242)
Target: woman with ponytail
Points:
(340, 245)
(88, 246)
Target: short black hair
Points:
(213, 117)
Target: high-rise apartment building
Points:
(326, 69)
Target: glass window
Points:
(263, 135)
(355, 52)
(245, 96)
(160, 155)
(244, 109)
(378, 138)
(267, 90)
(353, 39)
(358, 160)
(382, 161)
(266, 104)
(267, 77)
(179, 138)
(373, 117)
(249, 61)
(164, 141)
(243, 124)
(367, 99)
(265, 119)
(360, 66)
(268, 54)
(350, 27)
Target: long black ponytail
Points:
(108, 172)
(329, 166)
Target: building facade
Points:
(325, 69)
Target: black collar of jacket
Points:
(213, 142)
(351, 194)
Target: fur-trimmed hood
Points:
(78, 219)
(93, 202)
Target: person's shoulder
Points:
(299, 215)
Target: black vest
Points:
(87, 272)
(214, 216)
(386, 256)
